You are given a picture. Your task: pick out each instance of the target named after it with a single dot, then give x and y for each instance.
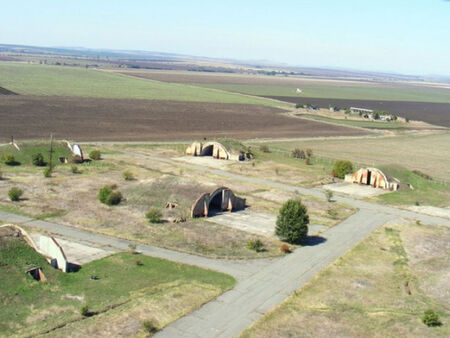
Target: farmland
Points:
(311, 87)
(380, 288)
(26, 79)
(31, 308)
(95, 119)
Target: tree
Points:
(292, 221)
(342, 168)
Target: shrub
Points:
(308, 161)
(298, 153)
(264, 148)
(255, 245)
(430, 318)
(9, 159)
(298, 105)
(1, 175)
(38, 160)
(84, 311)
(139, 263)
(128, 175)
(292, 221)
(309, 153)
(154, 215)
(285, 249)
(149, 326)
(342, 168)
(95, 155)
(417, 203)
(108, 196)
(76, 159)
(104, 193)
(332, 213)
(48, 172)
(15, 193)
(74, 169)
(329, 195)
(132, 248)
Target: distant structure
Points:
(361, 110)
(217, 150)
(221, 199)
(373, 177)
(299, 91)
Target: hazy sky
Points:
(404, 36)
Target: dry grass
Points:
(380, 288)
(428, 152)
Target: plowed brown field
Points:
(90, 119)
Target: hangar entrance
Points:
(207, 151)
(216, 203)
(369, 176)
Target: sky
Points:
(398, 36)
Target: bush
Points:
(138, 262)
(342, 168)
(15, 193)
(292, 221)
(329, 195)
(76, 159)
(154, 215)
(95, 155)
(264, 148)
(307, 161)
(38, 160)
(114, 198)
(149, 326)
(74, 169)
(332, 213)
(298, 153)
(9, 159)
(108, 196)
(309, 153)
(285, 249)
(255, 245)
(1, 175)
(430, 318)
(128, 175)
(48, 172)
(84, 311)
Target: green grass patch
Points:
(337, 91)
(27, 150)
(425, 192)
(72, 81)
(29, 306)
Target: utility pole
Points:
(51, 152)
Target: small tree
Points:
(95, 155)
(108, 196)
(430, 318)
(15, 193)
(328, 195)
(38, 160)
(84, 311)
(9, 159)
(342, 168)
(154, 215)
(298, 153)
(292, 221)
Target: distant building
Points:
(361, 110)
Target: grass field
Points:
(380, 288)
(427, 152)
(27, 150)
(29, 79)
(337, 91)
(30, 307)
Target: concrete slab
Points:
(247, 220)
(75, 252)
(355, 190)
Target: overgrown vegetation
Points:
(15, 194)
(255, 245)
(95, 155)
(109, 196)
(342, 168)
(154, 215)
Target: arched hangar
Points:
(221, 199)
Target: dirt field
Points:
(92, 119)
(434, 113)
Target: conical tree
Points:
(292, 221)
